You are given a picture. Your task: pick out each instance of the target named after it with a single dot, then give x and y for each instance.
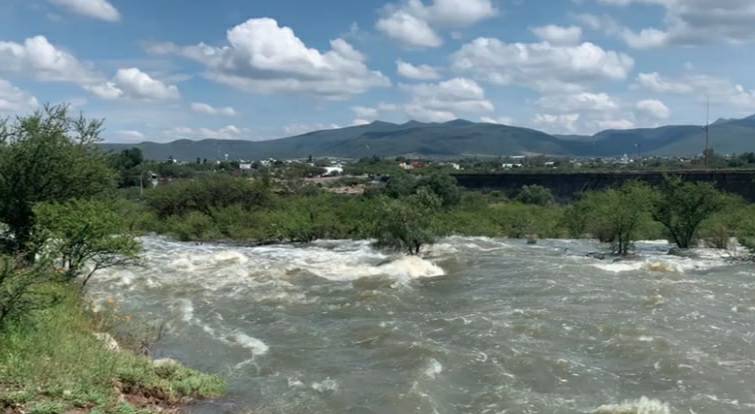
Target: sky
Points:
(265, 69)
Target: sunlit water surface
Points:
(475, 326)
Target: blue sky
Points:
(237, 69)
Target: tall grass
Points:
(52, 362)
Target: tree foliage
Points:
(47, 157)
(84, 236)
(615, 215)
(535, 194)
(681, 207)
(406, 224)
(206, 194)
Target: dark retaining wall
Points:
(566, 186)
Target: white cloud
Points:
(128, 136)
(541, 66)
(694, 22)
(500, 120)
(557, 123)
(447, 100)
(409, 30)
(203, 108)
(718, 90)
(416, 24)
(97, 9)
(14, 100)
(300, 129)
(263, 57)
(653, 109)
(226, 132)
(578, 102)
(132, 83)
(417, 72)
(559, 35)
(39, 59)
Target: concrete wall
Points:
(568, 186)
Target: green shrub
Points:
(206, 194)
(535, 194)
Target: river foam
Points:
(642, 406)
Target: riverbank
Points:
(58, 360)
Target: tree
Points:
(615, 215)
(535, 194)
(445, 187)
(84, 236)
(406, 224)
(128, 165)
(47, 157)
(682, 206)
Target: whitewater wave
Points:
(642, 406)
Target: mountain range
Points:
(459, 138)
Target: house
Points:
(245, 166)
(333, 170)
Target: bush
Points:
(535, 194)
(17, 288)
(206, 194)
(681, 207)
(616, 215)
(84, 236)
(406, 225)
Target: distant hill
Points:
(461, 138)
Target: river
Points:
(475, 326)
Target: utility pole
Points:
(706, 154)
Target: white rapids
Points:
(475, 325)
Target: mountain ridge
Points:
(462, 138)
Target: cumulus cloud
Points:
(432, 102)
(416, 24)
(36, 57)
(559, 34)
(652, 109)
(718, 90)
(300, 129)
(500, 120)
(417, 72)
(14, 100)
(557, 123)
(447, 100)
(541, 66)
(226, 132)
(203, 108)
(582, 112)
(128, 136)
(693, 22)
(96, 9)
(132, 83)
(263, 57)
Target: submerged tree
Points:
(47, 157)
(406, 224)
(615, 215)
(681, 207)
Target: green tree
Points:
(47, 157)
(681, 207)
(444, 186)
(616, 215)
(128, 165)
(535, 194)
(84, 236)
(407, 224)
(400, 185)
(17, 285)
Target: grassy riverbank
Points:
(52, 361)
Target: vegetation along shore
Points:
(68, 210)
